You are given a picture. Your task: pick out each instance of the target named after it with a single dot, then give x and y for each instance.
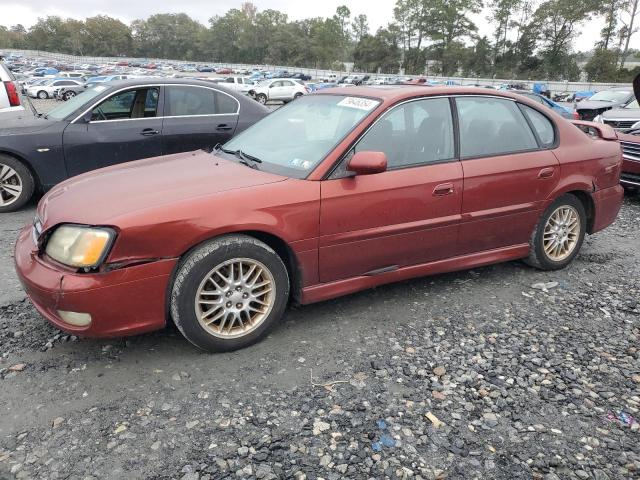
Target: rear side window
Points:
(225, 104)
(183, 101)
(542, 126)
(492, 126)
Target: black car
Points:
(115, 123)
(300, 76)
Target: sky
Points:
(379, 12)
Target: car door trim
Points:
(159, 85)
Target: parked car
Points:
(46, 89)
(563, 97)
(11, 99)
(239, 84)
(559, 109)
(603, 101)
(328, 196)
(68, 92)
(75, 75)
(116, 123)
(282, 89)
(300, 76)
(630, 143)
(621, 119)
(224, 71)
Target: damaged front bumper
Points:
(120, 302)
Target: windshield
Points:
(611, 96)
(70, 106)
(294, 139)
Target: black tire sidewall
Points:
(28, 183)
(545, 262)
(262, 98)
(183, 297)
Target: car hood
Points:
(622, 114)
(22, 122)
(596, 105)
(102, 196)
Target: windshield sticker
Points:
(299, 163)
(365, 104)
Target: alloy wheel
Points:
(10, 185)
(561, 233)
(235, 298)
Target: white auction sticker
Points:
(359, 103)
(99, 88)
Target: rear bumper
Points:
(607, 203)
(121, 302)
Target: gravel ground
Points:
(476, 374)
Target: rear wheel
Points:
(297, 95)
(16, 184)
(229, 292)
(559, 234)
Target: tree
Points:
(628, 29)
(106, 36)
(377, 53)
(360, 27)
(602, 66)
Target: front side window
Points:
(294, 139)
(415, 133)
(492, 126)
(126, 105)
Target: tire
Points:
(261, 98)
(42, 95)
(297, 95)
(550, 258)
(192, 278)
(68, 95)
(13, 175)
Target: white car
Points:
(283, 89)
(239, 84)
(10, 95)
(46, 89)
(77, 75)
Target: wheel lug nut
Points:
(238, 288)
(245, 295)
(229, 304)
(238, 306)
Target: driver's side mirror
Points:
(86, 118)
(367, 163)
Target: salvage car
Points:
(604, 100)
(342, 190)
(115, 123)
(281, 89)
(621, 119)
(630, 143)
(46, 89)
(559, 109)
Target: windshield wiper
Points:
(243, 157)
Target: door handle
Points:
(546, 173)
(147, 132)
(223, 127)
(443, 189)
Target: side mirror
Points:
(368, 163)
(86, 118)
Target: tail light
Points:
(12, 93)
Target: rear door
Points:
(122, 128)
(509, 171)
(197, 117)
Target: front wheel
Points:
(229, 292)
(16, 184)
(42, 95)
(261, 98)
(559, 234)
(68, 95)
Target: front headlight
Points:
(598, 119)
(78, 246)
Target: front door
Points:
(197, 118)
(405, 216)
(122, 128)
(509, 171)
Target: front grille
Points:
(621, 124)
(631, 151)
(630, 179)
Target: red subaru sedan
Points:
(334, 193)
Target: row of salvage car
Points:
(236, 216)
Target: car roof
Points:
(393, 93)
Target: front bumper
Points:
(630, 173)
(121, 302)
(607, 203)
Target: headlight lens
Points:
(598, 119)
(77, 246)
